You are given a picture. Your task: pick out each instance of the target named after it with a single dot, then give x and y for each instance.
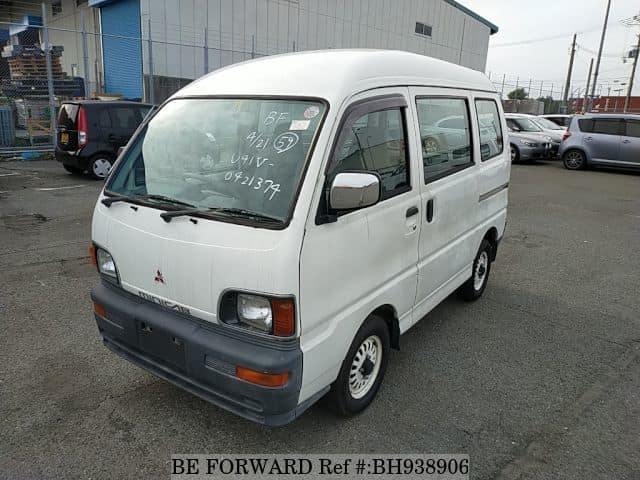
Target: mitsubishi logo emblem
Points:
(159, 278)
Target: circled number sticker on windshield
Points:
(311, 112)
(285, 141)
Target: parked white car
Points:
(261, 243)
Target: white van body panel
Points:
(197, 262)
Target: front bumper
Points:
(72, 159)
(532, 153)
(201, 357)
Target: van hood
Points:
(186, 266)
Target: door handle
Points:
(430, 210)
(111, 137)
(588, 139)
(412, 211)
(626, 141)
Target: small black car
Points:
(90, 132)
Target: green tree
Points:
(518, 94)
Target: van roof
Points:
(334, 74)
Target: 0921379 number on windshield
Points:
(257, 183)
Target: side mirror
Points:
(351, 190)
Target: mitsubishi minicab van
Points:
(271, 231)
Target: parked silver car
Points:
(527, 124)
(527, 148)
(602, 140)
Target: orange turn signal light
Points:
(284, 317)
(261, 378)
(99, 309)
(92, 254)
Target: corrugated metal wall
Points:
(122, 57)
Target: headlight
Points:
(528, 143)
(265, 314)
(255, 311)
(106, 265)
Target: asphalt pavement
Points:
(540, 379)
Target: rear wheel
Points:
(72, 169)
(363, 369)
(100, 166)
(473, 288)
(574, 160)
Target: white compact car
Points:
(275, 227)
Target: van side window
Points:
(376, 143)
(445, 149)
(491, 142)
(633, 128)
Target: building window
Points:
(423, 29)
(56, 8)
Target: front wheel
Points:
(473, 288)
(363, 369)
(515, 154)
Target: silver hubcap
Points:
(574, 159)
(101, 167)
(480, 274)
(365, 367)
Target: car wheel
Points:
(515, 154)
(73, 170)
(574, 160)
(363, 369)
(473, 288)
(100, 166)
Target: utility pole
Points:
(567, 84)
(604, 31)
(633, 74)
(585, 103)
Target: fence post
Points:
(151, 88)
(47, 50)
(253, 46)
(85, 55)
(294, 45)
(206, 50)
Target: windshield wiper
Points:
(128, 198)
(167, 216)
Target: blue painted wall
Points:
(122, 58)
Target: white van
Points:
(271, 231)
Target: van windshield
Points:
(238, 155)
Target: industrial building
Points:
(147, 49)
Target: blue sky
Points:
(527, 22)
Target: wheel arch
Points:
(388, 313)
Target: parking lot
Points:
(539, 379)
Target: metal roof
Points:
(493, 27)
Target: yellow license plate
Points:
(64, 138)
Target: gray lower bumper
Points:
(201, 357)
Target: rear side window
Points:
(633, 128)
(376, 143)
(67, 116)
(444, 150)
(604, 126)
(491, 142)
(124, 117)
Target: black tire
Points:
(73, 170)
(340, 398)
(574, 160)
(97, 166)
(472, 289)
(515, 154)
